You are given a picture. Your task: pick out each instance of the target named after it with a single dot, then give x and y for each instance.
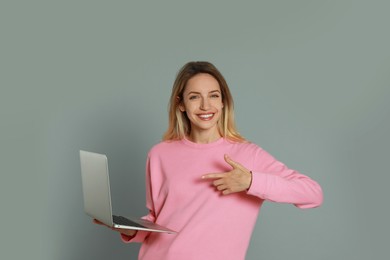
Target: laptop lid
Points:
(96, 186)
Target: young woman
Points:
(206, 181)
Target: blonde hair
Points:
(179, 124)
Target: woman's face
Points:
(202, 102)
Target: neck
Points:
(203, 137)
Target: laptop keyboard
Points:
(119, 220)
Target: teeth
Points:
(206, 116)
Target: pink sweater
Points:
(211, 226)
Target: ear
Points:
(181, 106)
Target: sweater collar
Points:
(202, 146)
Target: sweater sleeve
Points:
(273, 181)
(140, 236)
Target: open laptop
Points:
(97, 196)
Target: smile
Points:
(206, 117)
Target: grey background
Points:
(311, 86)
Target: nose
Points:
(204, 105)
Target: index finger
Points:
(213, 176)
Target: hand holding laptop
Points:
(97, 198)
(127, 232)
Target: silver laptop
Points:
(97, 197)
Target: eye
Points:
(193, 97)
(215, 96)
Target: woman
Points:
(206, 181)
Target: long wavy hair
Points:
(179, 124)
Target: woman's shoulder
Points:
(164, 146)
(247, 145)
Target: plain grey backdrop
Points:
(311, 86)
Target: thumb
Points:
(231, 162)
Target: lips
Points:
(206, 117)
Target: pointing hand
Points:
(236, 180)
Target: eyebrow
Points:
(213, 91)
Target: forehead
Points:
(202, 82)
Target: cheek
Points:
(218, 105)
(190, 108)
